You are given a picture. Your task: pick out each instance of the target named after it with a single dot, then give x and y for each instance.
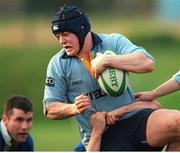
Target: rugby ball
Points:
(113, 81)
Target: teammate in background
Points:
(78, 65)
(15, 125)
(169, 86)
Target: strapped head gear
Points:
(71, 19)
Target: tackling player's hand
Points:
(82, 103)
(98, 122)
(145, 96)
(112, 117)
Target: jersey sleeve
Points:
(177, 76)
(125, 46)
(55, 85)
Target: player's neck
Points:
(88, 44)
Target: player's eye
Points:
(19, 120)
(29, 120)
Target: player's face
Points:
(19, 124)
(69, 42)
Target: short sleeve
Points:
(55, 85)
(177, 76)
(125, 46)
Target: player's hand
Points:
(145, 96)
(112, 117)
(98, 122)
(82, 103)
(97, 64)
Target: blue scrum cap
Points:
(71, 19)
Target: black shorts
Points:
(128, 134)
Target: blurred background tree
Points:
(39, 7)
(27, 44)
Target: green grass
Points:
(55, 135)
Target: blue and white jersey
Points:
(177, 76)
(67, 77)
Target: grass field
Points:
(23, 71)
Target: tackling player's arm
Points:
(98, 124)
(113, 116)
(166, 88)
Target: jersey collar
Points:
(96, 40)
(5, 134)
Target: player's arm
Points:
(134, 62)
(114, 115)
(166, 88)
(60, 110)
(98, 124)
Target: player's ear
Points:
(5, 119)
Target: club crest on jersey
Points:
(50, 81)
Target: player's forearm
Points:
(166, 88)
(126, 109)
(61, 111)
(135, 106)
(95, 142)
(135, 62)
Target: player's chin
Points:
(70, 53)
(21, 138)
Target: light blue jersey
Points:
(177, 76)
(67, 78)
